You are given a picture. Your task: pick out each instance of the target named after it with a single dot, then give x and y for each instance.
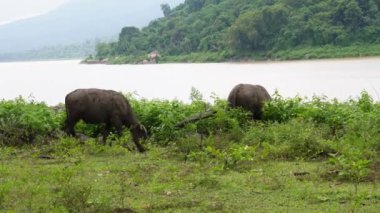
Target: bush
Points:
(161, 116)
(294, 139)
(293, 128)
(23, 122)
(72, 195)
(280, 109)
(352, 165)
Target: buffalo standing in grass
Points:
(98, 106)
(249, 97)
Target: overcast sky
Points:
(11, 10)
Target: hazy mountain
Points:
(79, 21)
(69, 51)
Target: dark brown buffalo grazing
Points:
(98, 106)
(249, 97)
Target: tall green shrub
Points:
(23, 121)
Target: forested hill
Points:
(217, 30)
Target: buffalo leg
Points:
(136, 138)
(70, 123)
(115, 122)
(106, 132)
(138, 145)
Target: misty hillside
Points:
(78, 21)
(220, 30)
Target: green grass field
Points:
(94, 178)
(307, 155)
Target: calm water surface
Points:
(50, 81)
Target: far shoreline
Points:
(303, 60)
(241, 61)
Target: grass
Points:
(328, 51)
(160, 182)
(307, 155)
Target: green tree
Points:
(126, 38)
(245, 26)
(194, 5)
(165, 9)
(128, 33)
(257, 30)
(103, 50)
(353, 15)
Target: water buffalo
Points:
(98, 106)
(249, 97)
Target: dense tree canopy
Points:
(245, 26)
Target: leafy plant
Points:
(291, 140)
(280, 109)
(72, 194)
(23, 121)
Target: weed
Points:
(73, 195)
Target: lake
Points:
(50, 81)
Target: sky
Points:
(12, 10)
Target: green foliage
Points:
(194, 5)
(257, 30)
(66, 149)
(294, 139)
(24, 122)
(292, 129)
(230, 158)
(72, 195)
(161, 116)
(205, 30)
(128, 40)
(307, 153)
(104, 50)
(335, 114)
(166, 10)
(280, 109)
(352, 167)
(4, 190)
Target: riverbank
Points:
(300, 53)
